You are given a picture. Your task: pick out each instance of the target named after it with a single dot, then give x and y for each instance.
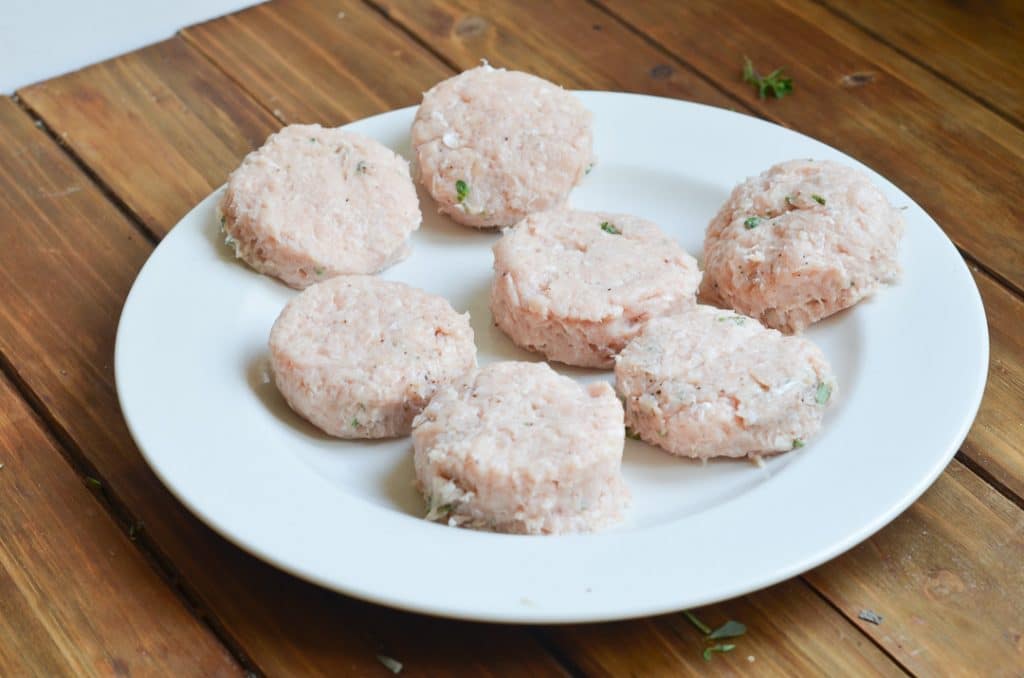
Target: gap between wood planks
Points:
(119, 512)
(993, 482)
(106, 190)
(838, 610)
(152, 238)
(984, 103)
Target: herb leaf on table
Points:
(730, 629)
(775, 83)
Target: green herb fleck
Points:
(752, 222)
(789, 201)
(701, 626)
(817, 198)
(361, 167)
(797, 443)
(312, 140)
(223, 219)
(590, 168)
(391, 664)
(738, 319)
(609, 227)
(823, 393)
(355, 423)
(319, 270)
(726, 647)
(775, 83)
(92, 482)
(730, 629)
(631, 434)
(461, 190)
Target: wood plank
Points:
(979, 46)
(173, 106)
(309, 71)
(948, 153)
(995, 443)
(946, 577)
(66, 262)
(76, 597)
(580, 47)
(789, 632)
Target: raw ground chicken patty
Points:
(711, 383)
(522, 449)
(800, 242)
(493, 145)
(576, 286)
(312, 203)
(359, 357)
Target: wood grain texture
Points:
(160, 117)
(285, 626)
(67, 261)
(949, 154)
(76, 598)
(977, 45)
(956, 108)
(326, 61)
(790, 632)
(571, 43)
(947, 578)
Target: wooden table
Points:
(103, 572)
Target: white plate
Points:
(191, 376)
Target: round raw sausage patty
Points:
(803, 240)
(711, 383)
(312, 203)
(576, 286)
(493, 145)
(520, 448)
(360, 357)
